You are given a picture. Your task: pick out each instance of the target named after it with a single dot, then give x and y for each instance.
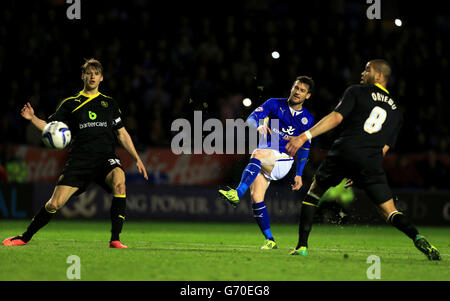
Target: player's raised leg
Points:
(116, 181)
(60, 196)
(260, 213)
(402, 223)
(259, 158)
(307, 211)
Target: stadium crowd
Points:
(161, 65)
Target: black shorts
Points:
(81, 173)
(366, 174)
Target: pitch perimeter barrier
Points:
(202, 203)
(42, 165)
(16, 200)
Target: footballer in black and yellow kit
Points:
(370, 121)
(94, 120)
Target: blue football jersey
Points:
(277, 110)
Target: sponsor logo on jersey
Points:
(92, 115)
(284, 132)
(93, 124)
(290, 130)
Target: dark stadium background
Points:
(165, 59)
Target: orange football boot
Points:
(117, 244)
(14, 241)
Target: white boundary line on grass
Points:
(252, 246)
(311, 249)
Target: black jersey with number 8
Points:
(372, 119)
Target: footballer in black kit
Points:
(370, 122)
(94, 120)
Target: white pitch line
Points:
(312, 249)
(199, 244)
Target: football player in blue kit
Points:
(275, 119)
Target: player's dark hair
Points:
(92, 63)
(307, 81)
(382, 66)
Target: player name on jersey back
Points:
(377, 96)
(371, 118)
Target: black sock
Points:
(40, 220)
(117, 216)
(401, 222)
(309, 206)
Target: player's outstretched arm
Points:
(27, 112)
(327, 123)
(127, 143)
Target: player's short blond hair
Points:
(92, 63)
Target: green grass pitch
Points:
(178, 251)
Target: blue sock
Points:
(248, 176)
(262, 217)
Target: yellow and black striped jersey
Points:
(92, 120)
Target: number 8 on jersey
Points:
(375, 121)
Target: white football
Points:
(56, 135)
